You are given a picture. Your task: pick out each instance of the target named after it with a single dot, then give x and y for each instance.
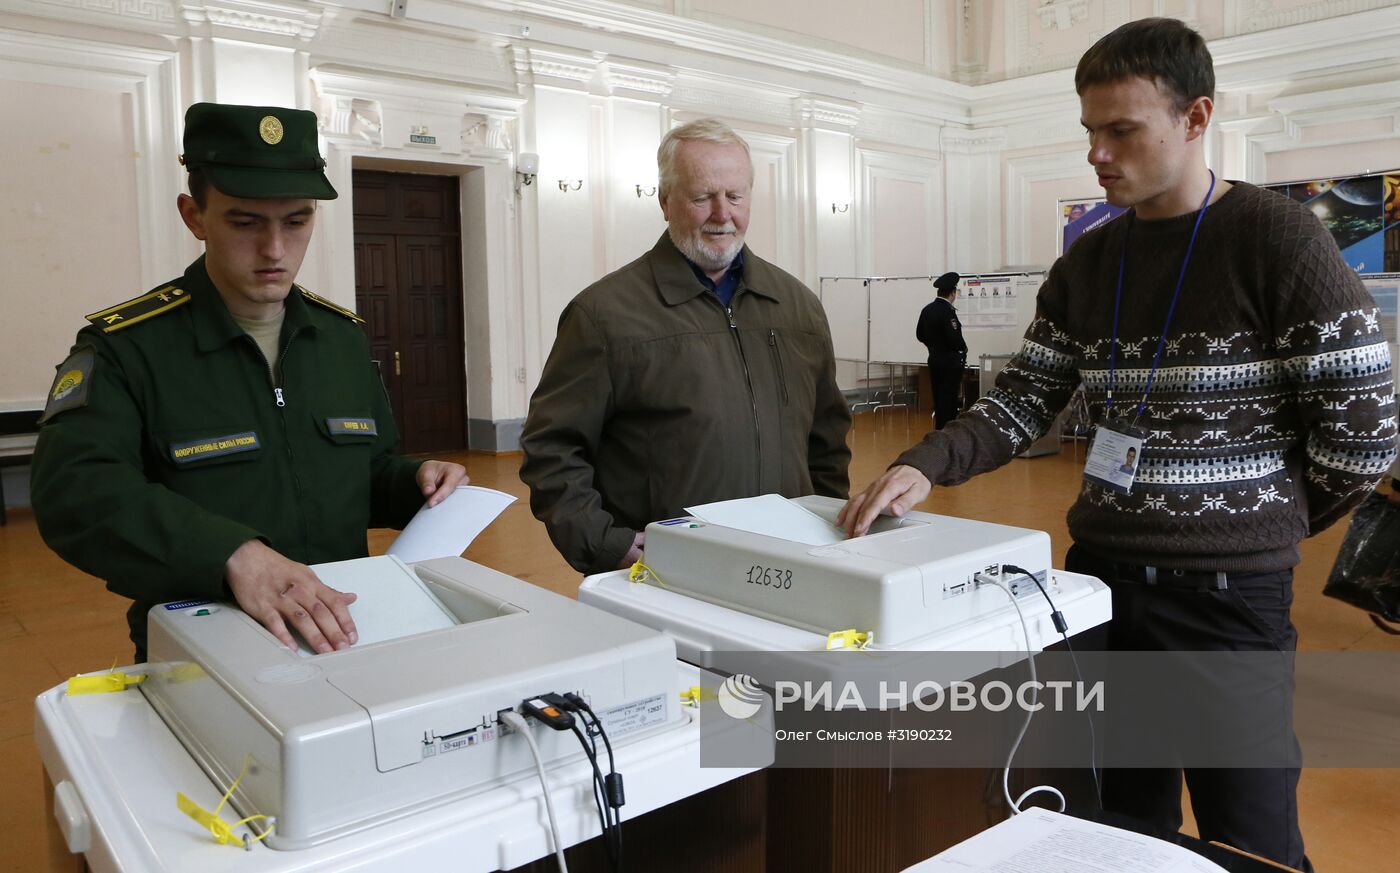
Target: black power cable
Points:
(1062, 626)
(609, 786)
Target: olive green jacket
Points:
(655, 398)
(165, 445)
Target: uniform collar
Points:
(677, 282)
(214, 327)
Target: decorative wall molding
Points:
(346, 118)
(623, 76)
(1025, 56)
(561, 68)
(973, 142)
(971, 40)
(879, 125)
(299, 22)
(363, 108)
(735, 99)
(821, 112)
(1260, 15)
(1185, 11)
(1061, 14)
(135, 14)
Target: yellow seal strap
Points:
(104, 683)
(641, 574)
(696, 693)
(850, 639)
(220, 830)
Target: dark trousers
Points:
(1251, 809)
(946, 378)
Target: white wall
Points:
(901, 114)
(71, 246)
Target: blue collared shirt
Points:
(728, 283)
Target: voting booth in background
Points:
(873, 318)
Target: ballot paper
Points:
(771, 515)
(1041, 841)
(390, 600)
(445, 530)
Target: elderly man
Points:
(698, 372)
(210, 438)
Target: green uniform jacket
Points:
(655, 398)
(166, 445)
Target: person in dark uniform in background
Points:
(940, 330)
(212, 437)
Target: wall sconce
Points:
(646, 192)
(570, 184)
(840, 207)
(526, 166)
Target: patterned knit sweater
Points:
(1272, 413)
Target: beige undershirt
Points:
(265, 334)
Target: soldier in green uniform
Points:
(212, 437)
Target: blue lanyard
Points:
(1118, 299)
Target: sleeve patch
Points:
(70, 385)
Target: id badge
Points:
(1113, 455)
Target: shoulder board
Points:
(138, 309)
(321, 301)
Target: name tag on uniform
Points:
(355, 426)
(213, 447)
(1113, 455)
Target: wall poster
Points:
(1361, 212)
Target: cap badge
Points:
(270, 129)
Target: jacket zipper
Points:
(748, 381)
(280, 399)
(778, 362)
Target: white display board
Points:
(995, 309)
(846, 302)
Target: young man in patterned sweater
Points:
(1250, 373)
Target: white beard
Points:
(692, 247)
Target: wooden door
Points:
(408, 288)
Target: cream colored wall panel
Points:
(900, 227)
(568, 237)
(1033, 185)
(892, 28)
(1367, 129)
(774, 218)
(1332, 161)
(900, 214)
(254, 75)
(832, 159)
(68, 236)
(635, 220)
